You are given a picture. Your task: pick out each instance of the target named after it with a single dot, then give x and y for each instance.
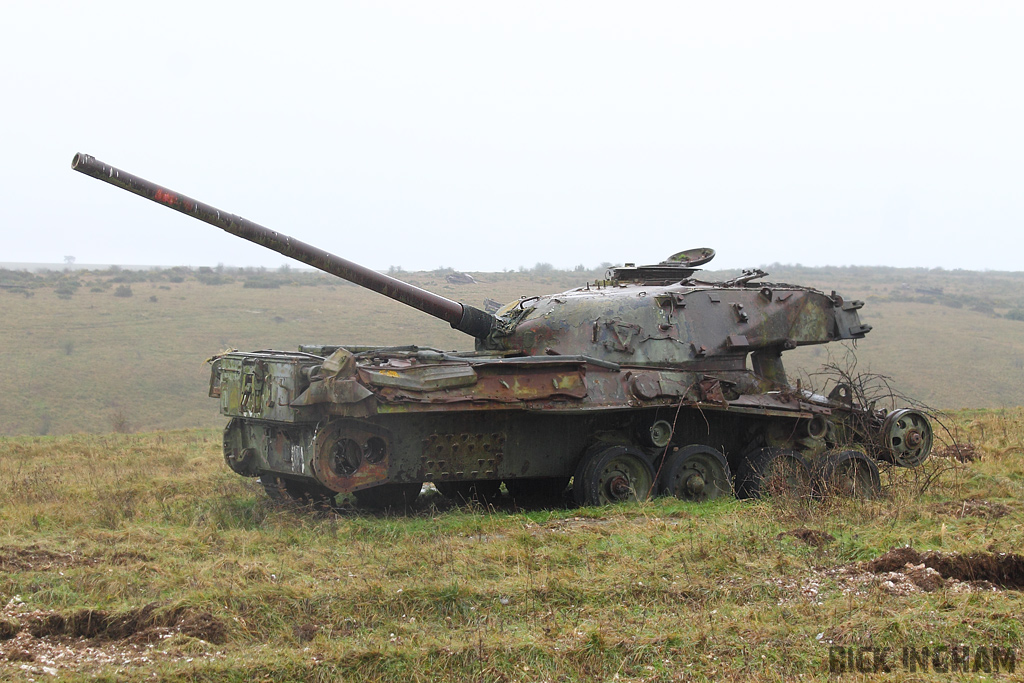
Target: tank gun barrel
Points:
(464, 318)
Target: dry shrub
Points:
(120, 421)
(876, 392)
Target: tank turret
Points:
(648, 380)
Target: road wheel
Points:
(696, 473)
(773, 472)
(847, 473)
(612, 475)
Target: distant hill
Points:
(57, 267)
(124, 349)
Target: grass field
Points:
(80, 358)
(141, 557)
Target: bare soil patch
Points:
(1003, 570)
(43, 641)
(306, 632)
(37, 559)
(144, 624)
(812, 537)
(905, 571)
(974, 507)
(961, 452)
(573, 524)
(127, 557)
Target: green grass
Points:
(660, 591)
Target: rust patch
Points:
(351, 456)
(711, 390)
(503, 386)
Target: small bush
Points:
(123, 291)
(127, 276)
(120, 422)
(66, 288)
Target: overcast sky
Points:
(486, 136)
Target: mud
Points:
(812, 537)
(144, 624)
(35, 558)
(48, 642)
(127, 557)
(1003, 570)
(306, 632)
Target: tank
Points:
(649, 381)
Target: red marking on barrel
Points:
(165, 197)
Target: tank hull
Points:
(376, 419)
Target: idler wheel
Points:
(847, 473)
(696, 473)
(238, 454)
(773, 472)
(612, 474)
(906, 437)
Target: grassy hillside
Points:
(89, 351)
(140, 557)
